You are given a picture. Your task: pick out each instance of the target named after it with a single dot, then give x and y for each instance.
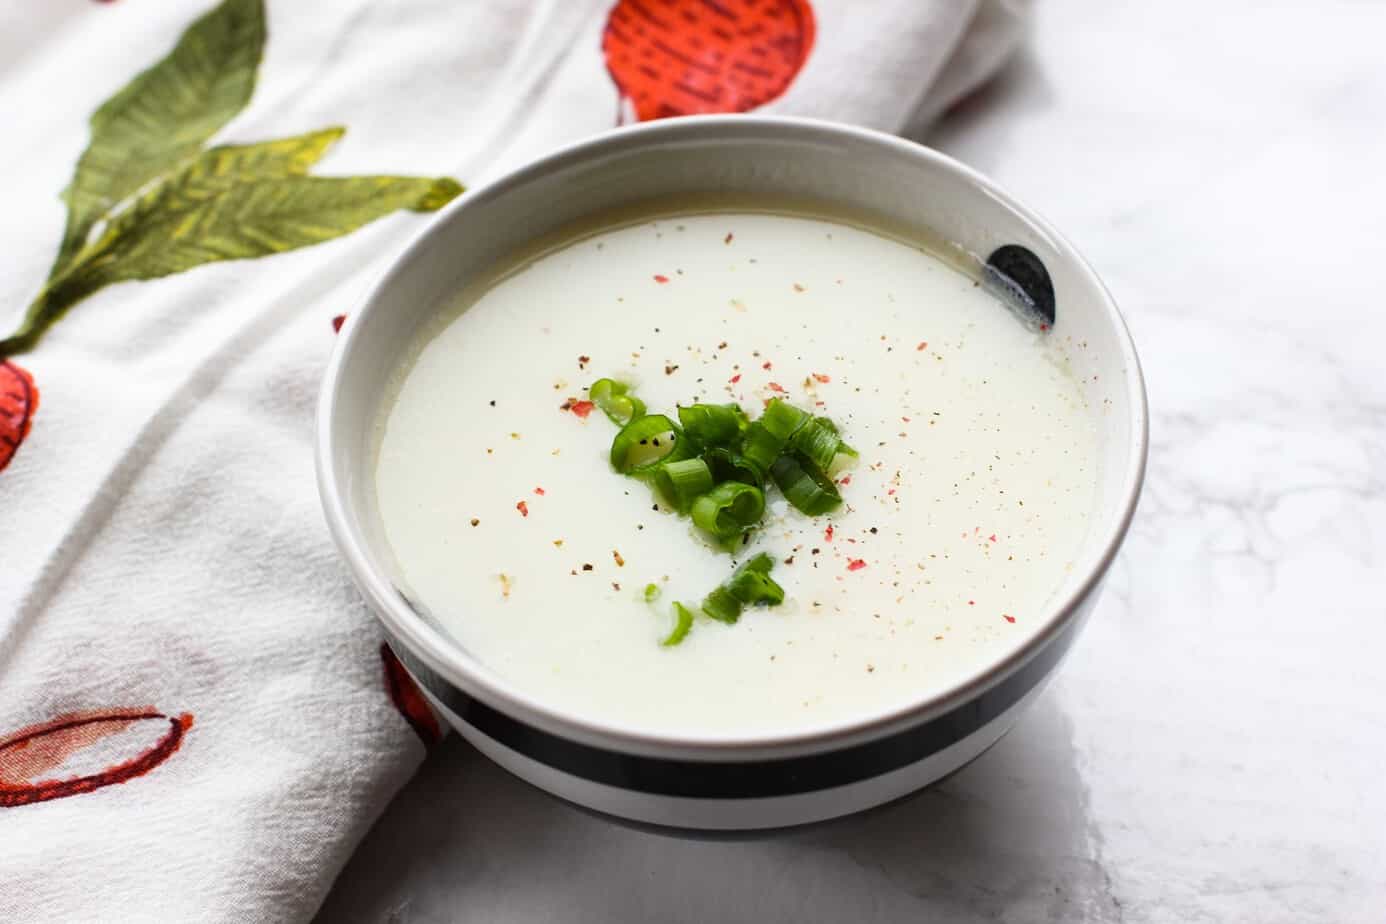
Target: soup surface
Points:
(971, 497)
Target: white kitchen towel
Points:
(198, 720)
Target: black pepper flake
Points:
(493, 402)
(670, 370)
(587, 567)
(873, 530)
(813, 551)
(615, 586)
(475, 521)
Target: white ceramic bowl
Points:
(724, 784)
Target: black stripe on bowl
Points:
(1016, 272)
(745, 779)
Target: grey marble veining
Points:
(1214, 748)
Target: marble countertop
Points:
(1213, 750)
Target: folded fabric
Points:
(198, 719)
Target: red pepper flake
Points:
(583, 361)
(828, 534)
(972, 603)
(728, 238)
(1008, 617)
(582, 408)
(776, 387)
(820, 377)
(845, 479)
(539, 491)
(765, 365)
(337, 323)
(523, 508)
(905, 419)
(661, 278)
(1044, 327)
(923, 345)
(891, 491)
(856, 564)
(992, 537)
(736, 378)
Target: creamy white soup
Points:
(960, 520)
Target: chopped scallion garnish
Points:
(760, 447)
(644, 443)
(713, 424)
(683, 621)
(615, 401)
(749, 585)
(806, 488)
(682, 481)
(818, 442)
(728, 510)
(783, 419)
(727, 465)
(715, 464)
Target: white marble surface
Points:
(1215, 748)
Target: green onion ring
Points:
(645, 443)
(783, 419)
(730, 466)
(682, 481)
(613, 398)
(807, 489)
(729, 509)
(713, 424)
(760, 447)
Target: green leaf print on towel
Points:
(147, 198)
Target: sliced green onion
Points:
(760, 447)
(804, 486)
(644, 443)
(722, 606)
(783, 419)
(651, 593)
(713, 424)
(731, 466)
(683, 622)
(846, 458)
(729, 509)
(615, 401)
(818, 442)
(749, 585)
(681, 482)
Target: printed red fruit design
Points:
(19, 399)
(408, 699)
(681, 57)
(95, 749)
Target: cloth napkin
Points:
(198, 719)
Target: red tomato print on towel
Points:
(408, 700)
(681, 57)
(80, 753)
(19, 399)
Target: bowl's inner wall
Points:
(808, 163)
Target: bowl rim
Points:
(443, 655)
